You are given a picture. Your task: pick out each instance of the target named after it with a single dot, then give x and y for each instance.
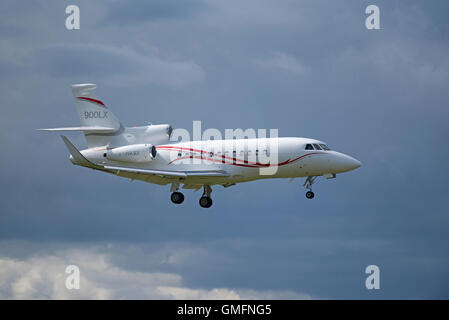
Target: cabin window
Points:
(309, 147)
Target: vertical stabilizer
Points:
(93, 113)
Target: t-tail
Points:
(98, 123)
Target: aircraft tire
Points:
(177, 197)
(309, 195)
(205, 202)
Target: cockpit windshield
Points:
(316, 146)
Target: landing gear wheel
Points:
(309, 195)
(177, 197)
(205, 202)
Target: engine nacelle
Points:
(132, 153)
(159, 132)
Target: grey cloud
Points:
(121, 66)
(43, 277)
(283, 62)
(120, 12)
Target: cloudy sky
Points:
(307, 68)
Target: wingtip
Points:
(64, 138)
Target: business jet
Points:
(149, 154)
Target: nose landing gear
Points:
(308, 184)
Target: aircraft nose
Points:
(346, 163)
(354, 163)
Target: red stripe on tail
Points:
(92, 100)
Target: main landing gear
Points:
(308, 184)
(177, 197)
(206, 200)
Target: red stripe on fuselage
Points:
(223, 157)
(243, 164)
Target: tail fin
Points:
(94, 113)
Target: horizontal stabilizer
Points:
(96, 129)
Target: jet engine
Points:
(132, 153)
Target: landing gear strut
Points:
(308, 184)
(205, 200)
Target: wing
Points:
(170, 173)
(77, 157)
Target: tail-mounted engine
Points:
(133, 153)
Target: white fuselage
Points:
(243, 159)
